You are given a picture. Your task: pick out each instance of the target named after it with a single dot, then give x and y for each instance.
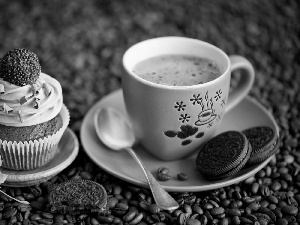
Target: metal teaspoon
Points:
(116, 132)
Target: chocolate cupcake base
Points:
(29, 155)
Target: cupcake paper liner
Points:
(29, 155)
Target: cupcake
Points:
(33, 117)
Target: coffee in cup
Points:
(177, 70)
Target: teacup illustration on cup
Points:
(206, 116)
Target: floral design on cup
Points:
(206, 116)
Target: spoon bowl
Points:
(116, 132)
(106, 122)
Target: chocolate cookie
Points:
(223, 156)
(264, 142)
(77, 196)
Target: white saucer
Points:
(248, 113)
(68, 150)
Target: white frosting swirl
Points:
(50, 105)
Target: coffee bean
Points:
(26, 215)
(275, 186)
(191, 221)
(248, 200)
(254, 206)
(203, 219)
(46, 221)
(137, 219)
(70, 218)
(245, 220)
(281, 204)
(28, 196)
(268, 212)
(24, 207)
(268, 170)
(217, 210)
(197, 209)
(266, 181)
(254, 188)
(289, 209)
(35, 217)
(182, 176)
(153, 208)
(280, 195)
(272, 199)
(104, 219)
(272, 206)
(290, 218)
(94, 221)
(232, 212)
(37, 205)
(235, 204)
(249, 180)
(275, 175)
(214, 203)
(162, 170)
(224, 221)
(190, 199)
(121, 206)
(163, 177)
(261, 173)
(19, 217)
(264, 204)
(262, 221)
(177, 212)
(9, 212)
(117, 190)
(112, 202)
(128, 195)
(262, 217)
(35, 190)
(265, 191)
(208, 215)
(278, 213)
(225, 203)
(144, 205)
(251, 217)
(292, 201)
(129, 215)
(118, 212)
(236, 220)
(257, 197)
(158, 223)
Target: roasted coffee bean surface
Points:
(81, 44)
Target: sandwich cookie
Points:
(264, 142)
(77, 196)
(223, 155)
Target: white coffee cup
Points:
(172, 122)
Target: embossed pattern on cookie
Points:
(263, 141)
(223, 156)
(77, 196)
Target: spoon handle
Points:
(161, 197)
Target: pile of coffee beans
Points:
(81, 44)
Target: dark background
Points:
(81, 44)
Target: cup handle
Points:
(245, 82)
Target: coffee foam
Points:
(177, 70)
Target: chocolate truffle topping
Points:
(20, 67)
